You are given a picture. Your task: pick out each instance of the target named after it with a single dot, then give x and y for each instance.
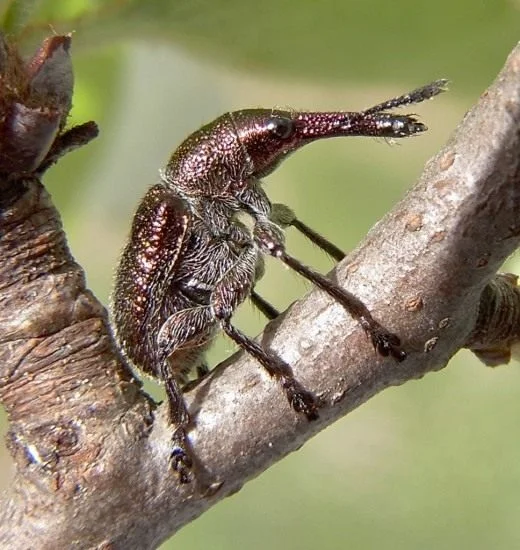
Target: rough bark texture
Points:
(90, 448)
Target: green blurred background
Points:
(431, 464)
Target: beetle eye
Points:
(281, 127)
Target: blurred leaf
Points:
(331, 39)
(68, 10)
(15, 14)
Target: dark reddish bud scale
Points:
(35, 100)
(189, 262)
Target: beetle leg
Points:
(267, 235)
(264, 306)
(282, 215)
(181, 454)
(300, 399)
(178, 330)
(202, 370)
(229, 292)
(181, 327)
(235, 285)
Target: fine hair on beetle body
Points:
(190, 262)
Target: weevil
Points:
(190, 262)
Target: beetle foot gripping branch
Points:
(189, 263)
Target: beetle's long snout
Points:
(314, 126)
(376, 121)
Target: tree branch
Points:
(91, 450)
